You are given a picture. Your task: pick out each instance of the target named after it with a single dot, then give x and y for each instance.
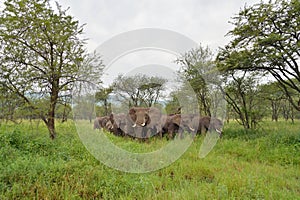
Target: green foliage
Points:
(42, 55)
(261, 164)
(198, 69)
(244, 97)
(266, 38)
(172, 105)
(139, 89)
(102, 97)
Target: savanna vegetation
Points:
(262, 164)
(43, 59)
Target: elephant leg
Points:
(170, 135)
(180, 133)
(145, 131)
(129, 130)
(152, 132)
(171, 131)
(202, 130)
(206, 130)
(159, 131)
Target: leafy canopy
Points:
(266, 37)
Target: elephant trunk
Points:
(144, 123)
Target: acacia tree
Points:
(173, 105)
(268, 36)
(274, 95)
(151, 90)
(198, 68)
(193, 64)
(102, 96)
(139, 90)
(242, 94)
(42, 54)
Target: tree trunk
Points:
(105, 107)
(51, 118)
(51, 128)
(292, 113)
(51, 113)
(50, 123)
(64, 116)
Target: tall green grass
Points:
(260, 164)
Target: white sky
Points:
(204, 21)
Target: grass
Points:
(260, 164)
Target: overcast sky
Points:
(204, 21)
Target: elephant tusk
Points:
(218, 131)
(134, 125)
(191, 129)
(144, 124)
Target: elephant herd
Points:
(142, 122)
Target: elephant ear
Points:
(147, 117)
(132, 111)
(132, 114)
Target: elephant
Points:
(207, 123)
(178, 123)
(117, 124)
(139, 116)
(171, 125)
(187, 122)
(144, 122)
(155, 123)
(100, 122)
(136, 120)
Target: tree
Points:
(268, 36)
(197, 67)
(139, 90)
(172, 105)
(243, 95)
(84, 106)
(287, 110)
(274, 95)
(102, 96)
(151, 90)
(42, 55)
(63, 111)
(9, 104)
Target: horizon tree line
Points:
(42, 56)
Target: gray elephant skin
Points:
(206, 123)
(100, 122)
(117, 124)
(178, 123)
(145, 122)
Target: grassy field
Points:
(261, 164)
